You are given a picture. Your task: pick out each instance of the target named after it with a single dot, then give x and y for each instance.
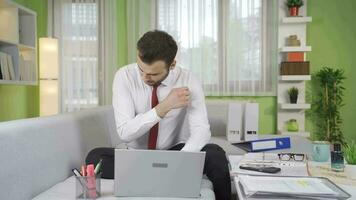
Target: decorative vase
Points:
(293, 11)
(350, 171)
(293, 98)
(292, 125)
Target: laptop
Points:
(158, 173)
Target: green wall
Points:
(332, 35)
(18, 101)
(122, 32)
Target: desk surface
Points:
(66, 191)
(350, 189)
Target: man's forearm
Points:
(131, 129)
(162, 109)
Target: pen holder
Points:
(88, 187)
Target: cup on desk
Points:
(321, 151)
(88, 187)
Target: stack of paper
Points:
(289, 187)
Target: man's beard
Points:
(153, 83)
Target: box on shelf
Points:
(295, 57)
(295, 68)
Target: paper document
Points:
(286, 185)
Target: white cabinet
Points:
(18, 42)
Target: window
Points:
(228, 44)
(77, 28)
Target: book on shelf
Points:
(4, 66)
(11, 67)
(0, 72)
(27, 69)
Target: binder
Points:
(234, 130)
(265, 144)
(251, 122)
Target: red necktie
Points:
(152, 139)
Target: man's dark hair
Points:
(157, 45)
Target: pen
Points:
(83, 170)
(76, 172)
(98, 167)
(79, 177)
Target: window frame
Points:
(222, 83)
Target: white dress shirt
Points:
(134, 116)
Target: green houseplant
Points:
(293, 6)
(293, 94)
(350, 157)
(328, 103)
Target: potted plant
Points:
(293, 94)
(293, 6)
(292, 125)
(328, 103)
(350, 157)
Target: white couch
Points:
(37, 154)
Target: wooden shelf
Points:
(288, 20)
(295, 49)
(292, 106)
(16, 82)
(24, 47)
(298, 133)
(7, 42)
(295, 78)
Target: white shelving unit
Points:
(18, 38)
(291, 20)
(294, 106)
(296, 49)
(295, 78)
(286, 111)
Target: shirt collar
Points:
(168, 81)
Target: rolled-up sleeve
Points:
(197, 118)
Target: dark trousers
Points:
(216, 169)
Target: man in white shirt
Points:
(159, 105)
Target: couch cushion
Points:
(39, 152)
(66, 190)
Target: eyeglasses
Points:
(290, 156)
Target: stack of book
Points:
(7, 71)
(27, 69)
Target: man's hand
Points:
(177, 98)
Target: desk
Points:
(350, 189)
(66, 191)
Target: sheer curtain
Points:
(229, 44)
(87, 35)
(140, 19)
(251, 48)
(108, 52)
(76, 26)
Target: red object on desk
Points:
(91, 181)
